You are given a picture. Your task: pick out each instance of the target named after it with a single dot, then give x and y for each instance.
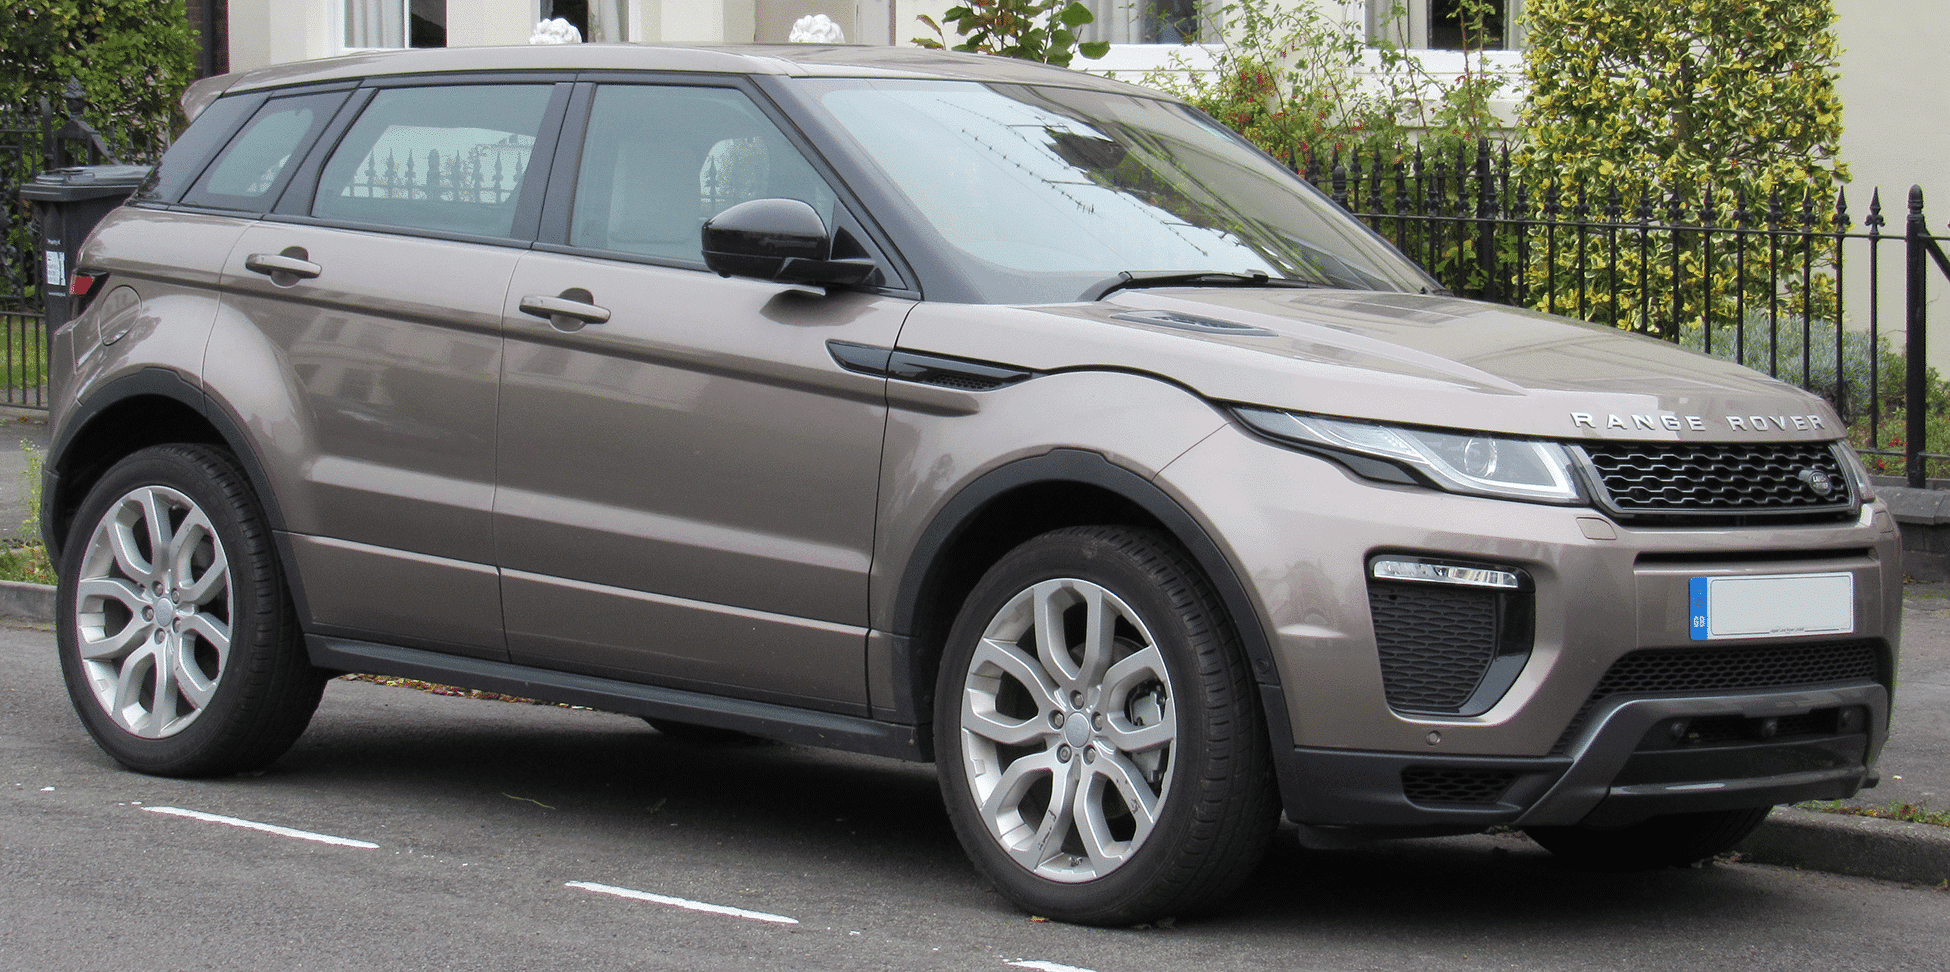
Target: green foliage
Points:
(1299, 83)
(1717, 104)
(132, 57)
(1028, 30)
(1658, 96)
(1874, 422)
(28, 562)
(1907, 812)
(1865, 364)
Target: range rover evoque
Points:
(941, 408)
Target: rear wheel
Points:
(1674, 840)
(177, 637)
(1099, 740)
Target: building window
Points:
(1143, 21)
(598, 20)
(395, 23)
(1447, 25)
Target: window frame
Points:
(558, 202)
(300, 194)
(196, 194)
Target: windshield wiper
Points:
(1126, 280)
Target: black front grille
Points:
(1422, 784)
(1698, 671)
(1729, 479)
(1435, 643)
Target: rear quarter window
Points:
(254, 167)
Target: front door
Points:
(686, 478)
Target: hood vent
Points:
(1191, 322)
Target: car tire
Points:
(190, 663)
(1126, 777)
(1673, 840)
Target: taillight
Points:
(82, 288)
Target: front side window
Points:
(442, 159)
(660, 160)
(1048, 192)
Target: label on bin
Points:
(57, 269)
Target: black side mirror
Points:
(778, 239)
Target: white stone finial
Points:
(816, 29)
(557, 31)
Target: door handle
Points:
(284, 268)
(568, 311)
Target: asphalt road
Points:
(486, 819)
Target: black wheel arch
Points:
(1028, 497)
(149, 407)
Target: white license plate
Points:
(1773, 606)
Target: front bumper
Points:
(1623, 768)
(1548, 751)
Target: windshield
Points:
(1048, 192)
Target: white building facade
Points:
(1896, 116)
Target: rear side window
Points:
(660, 160)
(439, 159)
(250, 171)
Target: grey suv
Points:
(940, 408)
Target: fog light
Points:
(1416, 570)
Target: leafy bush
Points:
(1028, 30)
(28, 562)
(132, 57)
(1715, 106)
(1303, 84)
(1865, 365)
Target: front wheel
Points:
(1673, 840)
(1099, 741)
(177, 637)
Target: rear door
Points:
(378, 283)
(687, 477)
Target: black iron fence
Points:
(23, 139)
(34, 139)
(1790, 286)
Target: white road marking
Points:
(684, 903)
(1046, 967)
(267, 828)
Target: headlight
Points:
(1865, 490)
(1481, 465)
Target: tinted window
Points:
(257, 163)
(659, 161)
(447, 159)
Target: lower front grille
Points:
(1439, 646)
(1428, 785)
(1696, 671)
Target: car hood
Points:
(1393, 357)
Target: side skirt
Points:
(784, 723)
